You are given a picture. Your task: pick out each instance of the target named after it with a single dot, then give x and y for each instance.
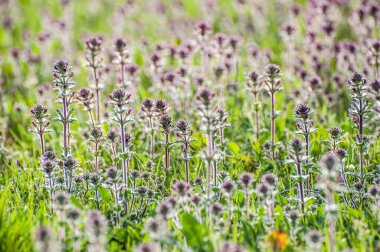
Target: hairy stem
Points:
(42, 144)
(96, 159)
(300, 186)
(361, 138)
(167, 154)
(123, 147)
(307, 156)
(151, 137)
(273, 130)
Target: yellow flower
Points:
(278, 240)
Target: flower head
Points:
(120, 97)
(296, 145)
(39, 112)
(94, 44)
(61, 67)
(335, 133)
(246, 179)
(120, 45)
(165, 122)
(203, 29)
(181, 188)
(205, 97)
(161, 107)
(228, 186)
(303, 112)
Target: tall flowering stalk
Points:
(165, 123)
(329, 185)
(220, 125)
(375, 53)
(48, 164)
(96, 136)
(203, 30)
(297, 158)
(184, 135)
(161, 108)
(305, 128)
(341, 155)
(205, 100)
(335, 135)
(121, 59)
(272, 81)
(63, 81)
(113, 137)
(255, 87)
(86, 98)
(120, 100)
(40, 123)
(95, 62)
(246, 180)
(228, 187)
(148, 109)
(358, 112)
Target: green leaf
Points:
(76, 202)
(195, 233)
(234, 147)
(105, 195)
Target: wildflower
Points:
(305, 127)
(93, 49)
(94, 44)
(120, 98)
(61, 199)
(112, 173)
(303, 112)
(314, 238)
(113, 136)
(255, 88)
(153, 226)
(148, 106)
(196, 199)
(270, 178)
(293, 216)
(165, 122)
(216, 209)
(48, 167)
(278, 240)
(73, 214)
(296, 157)
(246, 179)
(63, 80)
(229, 247)
(96, 227)
(263, 189)
(164, 209)
(228, 186)
(40, 123)
(374, 191)
(328, 162)
(341, 154)
(335, 133)
(203, 29)
(145, 247)
(161, 107)
(49, 155)
(44, 239)
(272, 81)
(181, 188)
(205, 97)
(85, 98)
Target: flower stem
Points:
(273, 130)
